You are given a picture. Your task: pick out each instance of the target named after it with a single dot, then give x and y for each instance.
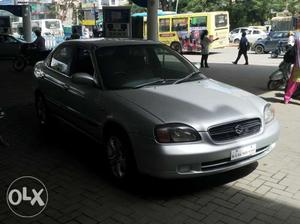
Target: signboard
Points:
(7, 2)
(88, 22)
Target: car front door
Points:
(85, 100)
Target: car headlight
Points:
(269, 113)
(173, 133)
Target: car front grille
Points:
(235, 130)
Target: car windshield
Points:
(137, 66)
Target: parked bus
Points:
(182, 31)
(285, 23)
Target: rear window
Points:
(52, 24)
(221, 20)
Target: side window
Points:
(256, 32)
(221, 20)
(164, 25)
(199, 21)
(62, 59)
(235, 31)
(180, 24)
(83, 62)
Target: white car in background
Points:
(252, 34)
(255, 34)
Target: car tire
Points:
(19, 63)
(120, 159)
(176, 47)
(236, 41)
(259, 49)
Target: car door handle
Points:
(65, 86)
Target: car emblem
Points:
(239, 129)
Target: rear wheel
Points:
(259, 49)
(176, 47)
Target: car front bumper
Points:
(183, 160)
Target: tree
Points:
(65, 6)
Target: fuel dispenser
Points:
(117, 22)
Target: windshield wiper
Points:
(150, 83)
(187, 77)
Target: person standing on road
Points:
(39, 43)
(243, 48)
(205, 42)
(291, 40)
(294, 81)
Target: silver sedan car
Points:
(153, 110)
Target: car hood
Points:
(199, 104)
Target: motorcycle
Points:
(278, 79)
(279, 50)
(29, 57)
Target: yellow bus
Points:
(182, 31)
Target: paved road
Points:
(80, 191)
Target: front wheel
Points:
(274, 84)
(119, 156)
(19, 63)
(236, 41)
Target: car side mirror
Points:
(83, 79)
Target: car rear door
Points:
(57, 74)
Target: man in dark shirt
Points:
(243, 48)
(39, 42)
(75, 35)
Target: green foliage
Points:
(242, 12)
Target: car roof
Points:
(108, 42)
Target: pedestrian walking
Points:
(244, 46)
(75, 35)
(294, 80)
(205, 42)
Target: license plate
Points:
(243, 152)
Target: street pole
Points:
(152, 29)
(95, 14)
(177, 1)
(27, 29)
